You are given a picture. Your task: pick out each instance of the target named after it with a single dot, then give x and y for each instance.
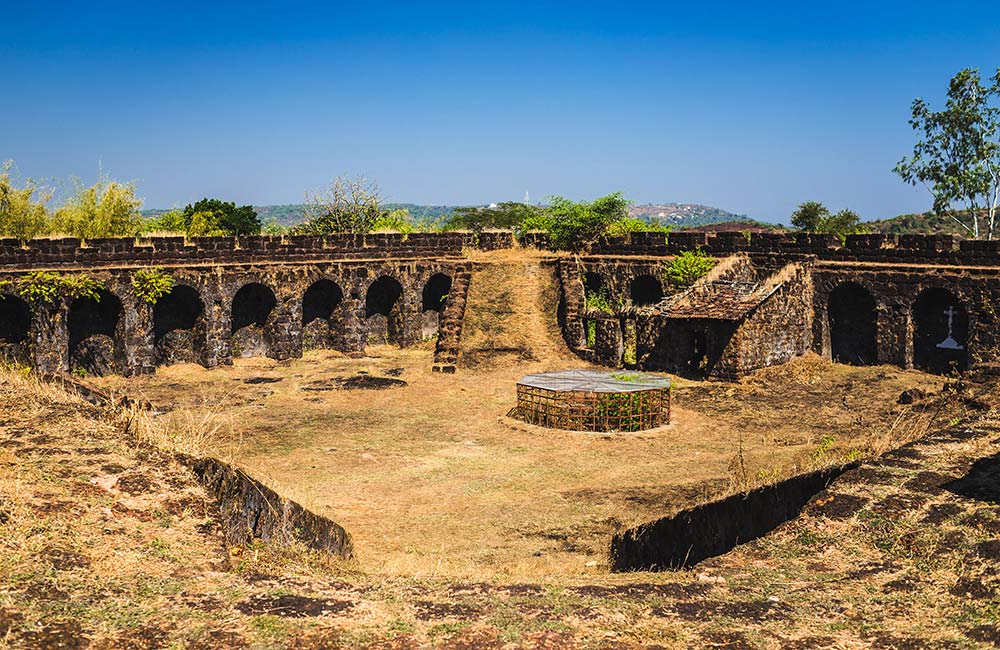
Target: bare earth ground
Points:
(106, 543)
(432, 479)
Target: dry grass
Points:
(432, 480)
(137, 563)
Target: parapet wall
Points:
(914, 249)
(68, 252)
(45, 253)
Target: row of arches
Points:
(180, 328)
(643, 290)
(939, 336)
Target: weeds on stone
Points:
(152, 284)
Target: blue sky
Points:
(754, 109)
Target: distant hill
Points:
(291, 214)
(683, 215)
(677, 215)
(748, 225)
(926, 223)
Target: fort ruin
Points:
(914, 301)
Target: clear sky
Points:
(750, 107)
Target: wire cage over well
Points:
(590, 400)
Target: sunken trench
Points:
(695, 534)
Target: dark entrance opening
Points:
(384, 312)
(93, 325)
(435, 296)
(853, 325)
(645, 290)
(15, 326)
(179, 327)
(595, 292)
(322, 316)
(251, 327)
(698, 365)
(940, 332)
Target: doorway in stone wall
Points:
(940, 332)
(853, 324)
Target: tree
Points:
(105, 209)
(845, 222)
(397, 220)
(630, 225)
(22, 211)
(349, 205)
(212, 217)
(958, 159)
(813, 216)
(809, 216)
(509, 214)
(575, 225)
(171, 221)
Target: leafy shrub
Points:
(171, 221)
(215, 218)
(688, 267)
(152, 284)
(395, 221)
(631, 225)
(575, 225)
(105, 209)
(598, 300)
(22, 211)
(509, 214)
(541, 222)
(47, 287)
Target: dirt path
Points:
(512, 309)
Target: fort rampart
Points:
(867, 299)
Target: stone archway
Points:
(252, 328)
(645, 290)
(940, 332)
(15, 328)
(384, 311)
(322, 316)
(434, 299)
(179, 326)
(92, 325)
(853, 321)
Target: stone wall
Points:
(912, 282)
(717, 527)
(276, 331)
(250, 510)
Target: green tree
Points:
(958, 157)
(105, 209)
(212, 217)
(23, 212)
(575, 225)
(171, 221)
(809, 216)
(845, 222)
(630, 225)
(813, 216)
(509, 214)
(395, 221)
(348, 205)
